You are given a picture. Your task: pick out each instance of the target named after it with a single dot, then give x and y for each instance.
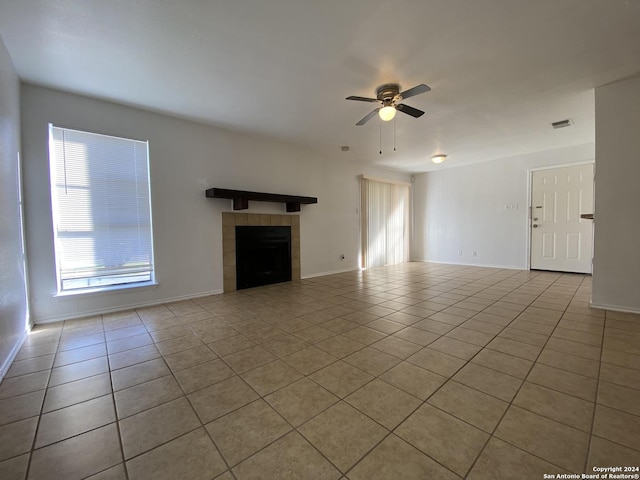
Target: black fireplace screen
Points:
(263, 256)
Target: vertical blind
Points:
(385, 223)
(101, 209)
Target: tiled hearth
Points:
(229, 222)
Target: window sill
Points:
(106, 290)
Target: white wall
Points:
(186, 158)
(616, 264)
(463, 208)
(13, 304)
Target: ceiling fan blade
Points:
(368, 117)
(414, 112)
(417, 90)
(362, 99)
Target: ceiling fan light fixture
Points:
(388, 97)
(387, 113)
(438, 158)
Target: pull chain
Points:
(380, 142)
(394, 134)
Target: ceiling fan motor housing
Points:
(388, 93)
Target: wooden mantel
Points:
(241, 198)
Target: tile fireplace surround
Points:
(229, 222)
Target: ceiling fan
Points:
(389, 98)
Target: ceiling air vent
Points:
(562, 123)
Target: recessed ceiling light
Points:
(438, 158)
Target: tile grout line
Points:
(115, 410)
(261, 398)
(44, 398)
(595, 406)
(390, 431)
(293, 427)
(442, 335)
(319, 413)
(386, 335)
(171, 372)
(207, 433)
(492, 434)
(450, 378)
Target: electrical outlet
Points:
(460, 253)
(475, 253)
(342, 256)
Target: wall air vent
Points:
(562, 123)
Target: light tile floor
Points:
(418, 371)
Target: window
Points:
(101, 208)
(385, 223)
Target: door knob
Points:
(535, 226)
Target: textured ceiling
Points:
(500, 70)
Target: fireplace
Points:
(232, 220)
(263, 255)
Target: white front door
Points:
(560, 239)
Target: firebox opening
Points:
(263, 255)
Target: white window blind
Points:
(385, 223)
(101, 209)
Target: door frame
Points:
(530, 200)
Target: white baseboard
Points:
(614, 308)
(12, 355)
(120, 308)
(333, 272)
(506, 267)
